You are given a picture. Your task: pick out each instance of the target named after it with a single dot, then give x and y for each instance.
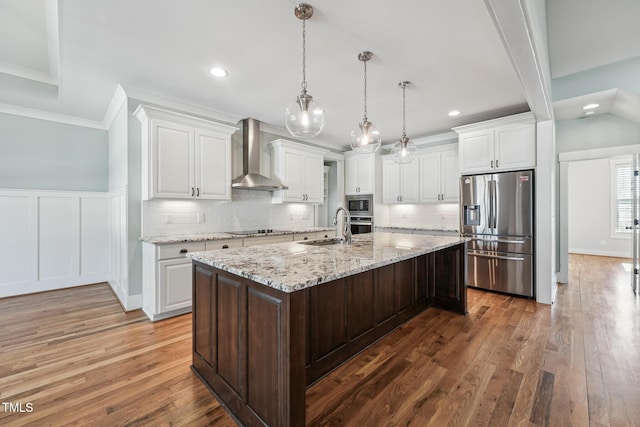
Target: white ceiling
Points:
(585, 34)
(67, 58)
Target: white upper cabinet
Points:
(359, 173)
(301, 168)
(439, 176)
(213, 165)
(184, 157)
(508, 143)
(400, 183)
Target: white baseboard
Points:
(128, 302)
(599, 253)
(134, 302)
(24, 288)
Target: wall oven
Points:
(361, 224)
(360, 208)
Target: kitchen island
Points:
(271, 320)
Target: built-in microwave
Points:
(360, 205)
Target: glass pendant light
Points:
(304, 117)
(404, 150)
(365, 138)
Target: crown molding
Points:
(52, 117)
(117, 101)
(162, 101)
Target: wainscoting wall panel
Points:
(53, 239)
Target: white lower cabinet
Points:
(167, 270)
(174, 276)
(278, 238)
(223, 244)
(166, 278)
(314, 235)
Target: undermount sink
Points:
(323, 242)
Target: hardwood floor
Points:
(78, 360)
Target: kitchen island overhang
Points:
(269, 321)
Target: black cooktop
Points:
(259, 231)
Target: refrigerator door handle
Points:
(517, 242)
(508, 258)
(490, 219)
(495, 204)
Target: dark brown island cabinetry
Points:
(257, 348)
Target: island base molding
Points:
(258, 348)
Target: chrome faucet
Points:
(346, 234)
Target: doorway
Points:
(598, 205)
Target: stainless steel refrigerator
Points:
(496, 213)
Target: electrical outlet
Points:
(603, 242)
(168, 219)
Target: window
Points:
(621, 197)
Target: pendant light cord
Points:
(404, 102)
(304, 55)
(365, 91)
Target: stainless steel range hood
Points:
(251, 178)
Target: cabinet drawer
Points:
(305, 236)
(326, 234)
(179, 250)
(253, 241)
(223, 244)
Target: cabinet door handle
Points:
(225, 246)
(198, 192)
(184, 251)
(491, 164)
(496, 162)
(192, 192)
(306, 238)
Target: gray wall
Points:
(589, 210)
(600, 131)
(622, 75)
(45, 155)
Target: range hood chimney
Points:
(251, 178)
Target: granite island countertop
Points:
(201, 237)
(418, 228)
(290, 267)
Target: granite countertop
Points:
(201, 237)
(294, 266)
(393, 227)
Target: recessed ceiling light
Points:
(454, 113)
(218, 72)
(590, 106)
(588, 113)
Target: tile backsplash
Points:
(439, 216)
(248, 210)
